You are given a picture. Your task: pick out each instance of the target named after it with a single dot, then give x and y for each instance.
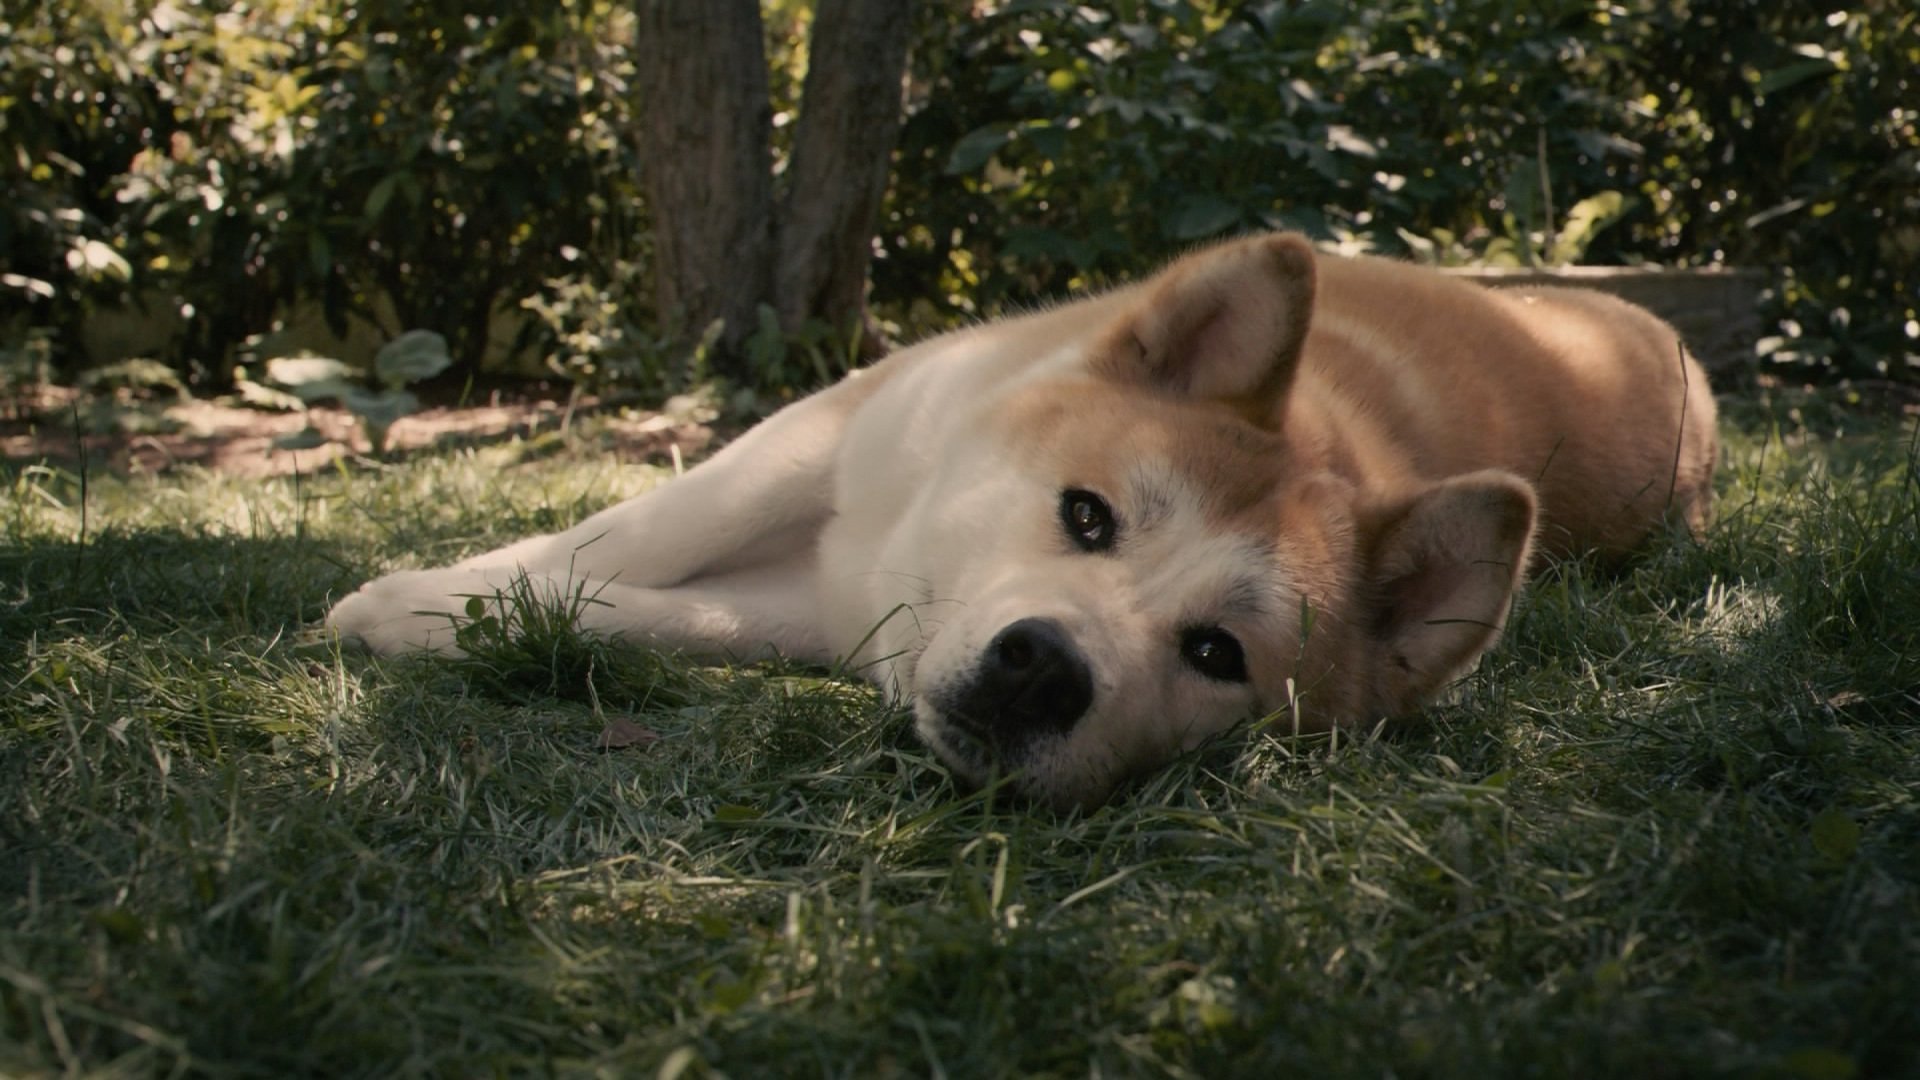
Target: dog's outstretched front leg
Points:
(746, 614)
(755, 504)
(764, 494)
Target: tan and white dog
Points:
(1086, 539)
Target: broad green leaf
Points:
(1423, 249)
(767, 347)
(1202, 216)
(1347, 141)
(42, 289)
(1048, 140)
(312, 378)
(296, 371)
(379, 407)
(1835, 835)
(122, 925)
(411, 357)
(1819, 1063)
(976, 148)
(1588, 218)
(307, 438)
(1793, 74)
(97, 261)
(381, 195)
(267, 397)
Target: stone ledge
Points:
(1716, 309)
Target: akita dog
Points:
(1083, 540)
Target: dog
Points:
(1084, 540)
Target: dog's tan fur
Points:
(1340, 466)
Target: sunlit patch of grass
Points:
(1669, 826)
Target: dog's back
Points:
(1408, 376)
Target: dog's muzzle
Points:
(1031, 680)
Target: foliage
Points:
(454, 156)
(411, 164)
(1668, 828)
(67, 130)
(25, 368)
(418, 163)
(599, 334)
(1053, 145)
(1788, 136)
(379, 402)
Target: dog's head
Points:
(1135, 553)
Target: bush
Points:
(412, 163)
(1054, 144)
(408, 163)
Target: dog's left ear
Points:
(1442, 569)
(1223, 324)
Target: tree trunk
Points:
(842, 153)
(704, 137)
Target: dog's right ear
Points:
(1441, 571)
(1225, 324)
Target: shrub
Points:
(1054, 144)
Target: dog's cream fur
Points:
(1085, 539)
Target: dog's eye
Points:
(1087, 518)
(1214, 653)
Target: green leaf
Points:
(1049, 140)
(1202, 216)
(307, 438)
(1587, 220)
(98, 261)
(1835, 835)
(311, 378)
(977, 147)
(767, 347)
(122, 925)
(379, 408)
(734, 813)
(1818, 1063)
(381, 195)
(1344, 139)
(267, 397)
(1793, 74)
(411, 357)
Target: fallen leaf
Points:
(621, 733)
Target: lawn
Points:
(1670, 827)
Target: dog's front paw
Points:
(411, 611)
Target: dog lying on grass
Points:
(1086, 539)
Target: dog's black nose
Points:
(1030, 680)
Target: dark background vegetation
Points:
(1671, 827)
(424, 163)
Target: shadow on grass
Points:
(163, 580)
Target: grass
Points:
(1669, 828)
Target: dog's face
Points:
(1110, 586)
(1121, 562)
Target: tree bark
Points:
(705, 134)
(843, 152)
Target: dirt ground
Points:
(156, 437)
